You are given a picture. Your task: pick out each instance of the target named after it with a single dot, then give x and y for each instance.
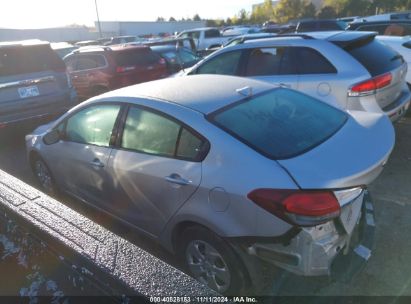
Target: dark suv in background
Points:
(34, 84)
(97, 69)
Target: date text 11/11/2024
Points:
(202, 299)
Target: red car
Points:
(95, 70)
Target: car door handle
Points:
(177, 179)
(97, 163)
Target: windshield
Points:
(280, 124)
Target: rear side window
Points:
(152, 133)
(375, 57)
(225, 64)
(211, 34)
(29, 59)
(144, 56)
(270, 61)
(310, 61)
(281, 123)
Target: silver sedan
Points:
(226, 172)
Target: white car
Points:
(402, 45)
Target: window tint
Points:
(87, 62)
(143, 56)
(225, 64)
(211, 33)
(29, 59)
(309, 61)
(270, 61)
(281, 123)
(375, 57)
(150, 133)
(189, 146)
(92, 125)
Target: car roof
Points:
(202, 93)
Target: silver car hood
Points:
(354, 156)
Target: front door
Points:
(80, 158)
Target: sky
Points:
(54, 13)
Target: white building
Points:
(136, 28)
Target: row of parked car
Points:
(266, 162)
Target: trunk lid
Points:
(354, 156)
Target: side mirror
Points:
(52, 137)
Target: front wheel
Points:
(210, 260)
(43, 176)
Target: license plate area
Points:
(351, 213)
(30, 91)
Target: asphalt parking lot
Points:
(387, 273)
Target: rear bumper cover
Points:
(325, 250)
(399, 107)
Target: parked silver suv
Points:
(33, 83)
(350, 70)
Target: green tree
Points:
(289, 9)
(309, 10)
(160, 19)
(327, 12)
(196, 18)
(172, 19)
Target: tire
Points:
(210, 260)
(43, 176)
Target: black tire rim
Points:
(43, 175)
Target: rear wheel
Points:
(210, 260)
(43, 176)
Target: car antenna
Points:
(246, 91)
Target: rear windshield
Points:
(375, 57)
(281, 123)
(142, 56)
(29, 59)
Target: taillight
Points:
(122, 69)
(369, 86)
(162, 61)
(298, 207)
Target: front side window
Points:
(187, 56)
(280, 123)
(224, 64)
(270, 61)
(149, 132)
(93, 125)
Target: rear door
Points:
(155, 169)
(273, 64)
(28, 76)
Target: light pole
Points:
(98, 19)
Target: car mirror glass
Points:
(52, 137)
